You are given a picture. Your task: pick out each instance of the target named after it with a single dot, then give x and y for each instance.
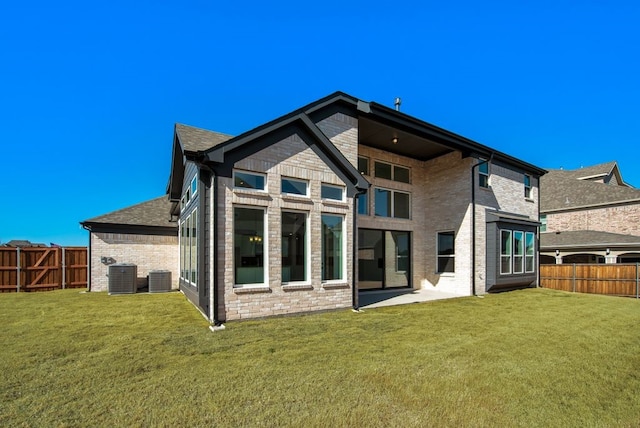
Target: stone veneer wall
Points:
(624, 219)
(291, 158)
(147, 252)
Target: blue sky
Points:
(91, 90)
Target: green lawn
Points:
(525, 358)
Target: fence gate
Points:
(42, 268)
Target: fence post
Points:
(64, 270)
(17, 269)
(574, 277)
(637, 289)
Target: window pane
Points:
(331, 192)
(383, 203)
(505, 264)
(249, 181)
(294, 246)
(363, 165)
(401, 240)
(446, 264)
(401, 205)
(484, 167)
(445, 243)
(401, 174)
(505, 251)
(194, 185)
(194, 247)
(331, 247)
(363, 203)
(248, 238)
(295, 187)
(530, 252)
(383, 170)
(183, 234)
(543, 223)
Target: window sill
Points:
(251, 289)
(295, 287)
(337, 204)
(253, 193)
(334, 285)
(529, 200)
(296, 198)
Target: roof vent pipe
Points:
(397, 103)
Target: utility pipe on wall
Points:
(473, 223)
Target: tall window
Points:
(392, 203)
(401, 240)
(518, 251)
(294, 246)
(529, 252)
(189, 248)
(248, 245)
(332, 253)
(446, 252)
(363, 203)
(483, 174)
(543, 223)
(527, 186)
(363, 165)
(505, 251)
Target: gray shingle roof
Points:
(150, 213)
(197, 139)
(590, 171)
(561, 189)
(586, 238)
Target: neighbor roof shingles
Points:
(585, 238)
(561, 189)
(150, 213)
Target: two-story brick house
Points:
(589, 215)
(343, 196)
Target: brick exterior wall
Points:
(291, 158)
(623, 219)
(148, 252)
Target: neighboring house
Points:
(342, 196)
(589, 215)
(141, 234)
(22, 243)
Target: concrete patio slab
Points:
(379, 298)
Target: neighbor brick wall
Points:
(148, 252)
(624, 219)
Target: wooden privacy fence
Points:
(611, 279)
(42, 268)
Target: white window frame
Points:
(527, 186)
(333, 186)
(248, 189)
(343, 273)
(265, 248)
(510, 252)
(194, 186)
(515, 268)
(307, 249)
(483, 174)
(532, 256)
(452, 256)
(299, 180)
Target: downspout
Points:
(473, 223)
(354, 250)
(217, 324)
(88, 229)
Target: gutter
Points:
(473, 223)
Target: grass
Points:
(526, 358)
